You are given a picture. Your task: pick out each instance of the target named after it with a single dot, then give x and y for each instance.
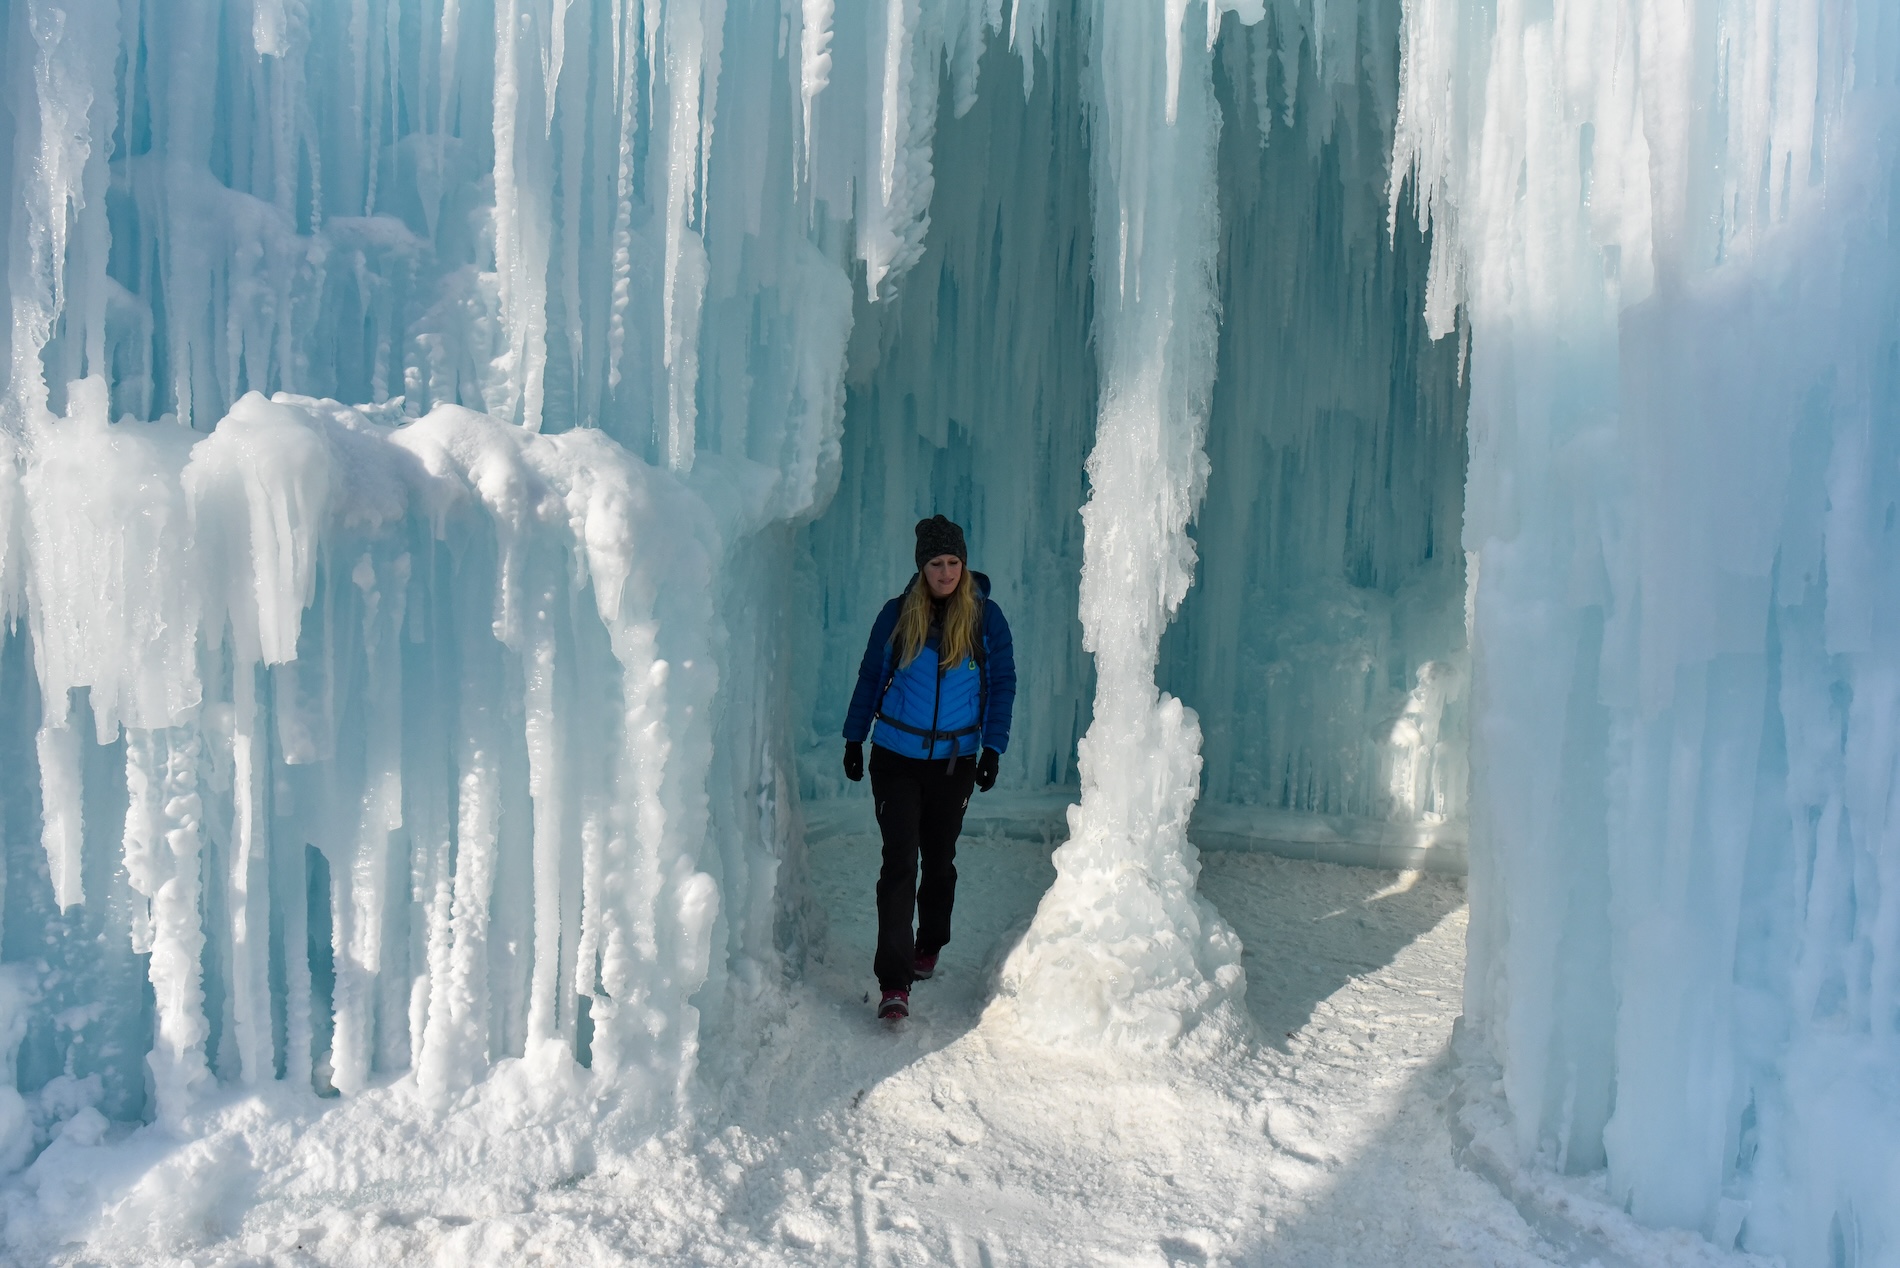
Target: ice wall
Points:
(417, 743)
(405, 738)
(1322, 644)
(1671, 228)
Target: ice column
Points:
(1122, 950)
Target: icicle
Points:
(628, 47)
(290, 897)
(362, 889)
(448, 52)
(691, 38)
(269, 28)
(523, 177)
(67, 98)
(555, 54)
(62, 814)
(894, 206)
(814, 69)
(247, 896)
(455, 1041)
(12, 547)
(551, 988)
(589, 942)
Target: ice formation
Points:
(1122, 949)
(421, 735)
(450, 451)
(1323, 641)
(1347, 701)
(1670, 230)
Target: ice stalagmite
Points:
(1122, 949)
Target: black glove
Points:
(854, 761)
(986, 769)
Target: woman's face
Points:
(944, 573)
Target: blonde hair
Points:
(960, 611)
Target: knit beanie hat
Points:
(938, 536)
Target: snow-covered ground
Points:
(841, 1140)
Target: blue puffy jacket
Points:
(920, 712)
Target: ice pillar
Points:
(1122, 950)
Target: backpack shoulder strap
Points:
(890, 650)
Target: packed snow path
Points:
(842, 1140)
(955, 1147)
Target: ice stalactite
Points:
(1122, 949)
(1671, 231)
(65, 108)
(692, 38)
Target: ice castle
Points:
(450, 451)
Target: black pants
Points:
(920, 808)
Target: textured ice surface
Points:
(1670, 230)
(376, 742)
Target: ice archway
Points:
(468, 722)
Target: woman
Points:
(938, 680)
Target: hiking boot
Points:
(894, 1006)
(923, 966)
